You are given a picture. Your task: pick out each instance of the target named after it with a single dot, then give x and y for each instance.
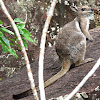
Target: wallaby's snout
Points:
(91, 11)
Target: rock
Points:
(19, 82)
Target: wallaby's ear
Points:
(74, 8)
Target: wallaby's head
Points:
(85, 11)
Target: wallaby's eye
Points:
(83, 9)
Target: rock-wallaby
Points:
(71, 42)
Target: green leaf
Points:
(15, 43)
(6, 30)
(28, 38)
(26, 32)
(0, 79)
(12, 40)
(1, 34)
(25, 44)
(5, 48)
(1, 22)
(10, 50)
(17, 20)
(20, 30)
(6, 41)
(13, 52)
(12, 44)
(21, 25)
(18, 46)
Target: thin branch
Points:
(42, 49)
(97, 65)
(30, 76)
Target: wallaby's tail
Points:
(65, 67)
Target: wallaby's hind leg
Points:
(84, 61)
(65, 67)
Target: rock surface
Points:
(19, 82)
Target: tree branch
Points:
(42, 49)
(30, 76)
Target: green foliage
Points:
(7, 43)
(6, 30)
(1, 34)
(17, 20)
(0, 79)
(1, 22)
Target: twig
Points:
(42, 49)
(97, 65)
(6, 26)
(23, 50)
